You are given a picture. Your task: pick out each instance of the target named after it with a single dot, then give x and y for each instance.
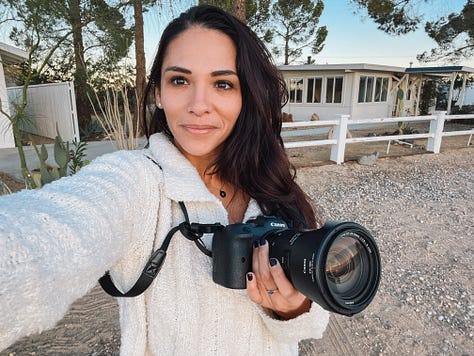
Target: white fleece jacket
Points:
(56, 242)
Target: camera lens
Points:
(337, 266)
(345, 268)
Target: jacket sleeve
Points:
(57, 241)
(310, 325)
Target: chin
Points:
(198, 151)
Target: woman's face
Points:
(200, 91)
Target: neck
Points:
(201, 163)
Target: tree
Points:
(40, 27)
(255, 13)
(98, 34)
(394, 17)
(106, 30)
(42, 39)
(140, 73)
(238, 9)
(80, 74)
(296, 24)
(454, 34)
(139, 7)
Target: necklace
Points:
(222, 192)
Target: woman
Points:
(218, 150)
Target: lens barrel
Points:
(337, 266)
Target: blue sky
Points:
(352, 38)
(355, 38)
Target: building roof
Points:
(440, 70)
(361, 67)
(343, 67)
(12, 55)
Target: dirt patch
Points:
(10, 183)
(320, 155)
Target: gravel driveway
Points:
(421, 211)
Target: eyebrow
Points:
(216, 73)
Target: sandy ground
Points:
(420, 208)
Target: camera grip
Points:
(232, 256)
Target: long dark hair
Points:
(252, 158)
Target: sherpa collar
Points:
(181, 180)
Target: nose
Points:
(200, 101)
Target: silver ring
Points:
(272, 291)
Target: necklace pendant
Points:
(222, 193)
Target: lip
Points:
(199, 129)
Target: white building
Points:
(8, 55)
(360, 90)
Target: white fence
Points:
(340, 129)
(48, 105)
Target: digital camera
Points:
(337, 266)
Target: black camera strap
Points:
(192, 231)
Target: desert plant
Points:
(91, 130)
(117, 122)
(61, 156)
(404, 128)
(78, 157)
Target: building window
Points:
(313, 94)
(362, 88)
(296, 90)
(334, 90)
(372, 89)
(381, 89)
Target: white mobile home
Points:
(360, 90)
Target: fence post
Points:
(73, 114)
(340, 134)
(436, 129)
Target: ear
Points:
(158, 98)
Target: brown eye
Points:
(223, 84)
(178, 81)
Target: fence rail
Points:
(340, 130)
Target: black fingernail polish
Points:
(263, 242)
(249, 277)
(256, 244)
(273, 262)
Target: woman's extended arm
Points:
(56, 242)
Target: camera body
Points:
(337, 266)
(232, 249)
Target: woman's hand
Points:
(268, 286)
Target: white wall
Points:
(48, 105)
(303, 111)
(349, 106)
(6, 132)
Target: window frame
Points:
(334, 87)
(296, 80)
(315, 79)
(375, 89)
